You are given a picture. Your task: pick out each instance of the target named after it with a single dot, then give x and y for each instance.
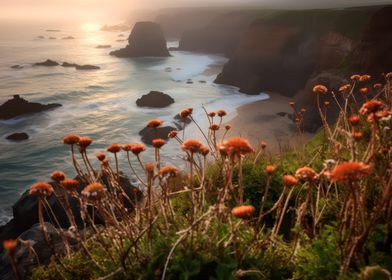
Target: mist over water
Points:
(99, 104)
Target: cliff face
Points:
(373, 55)
(280, 57)
(146, 39)
(281, 52)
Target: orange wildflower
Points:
(371, 106)
(289, 180)
(172, 134)
(41, 189)
(221, 113)
(71, 139)
(238, 146)
(10, 245)
(93, 190)
(100, 156)
(364, 78)
(344, 88)
(158, 143)
(350, 171)
(114, 148)
(303, 110)
(70, 184)
(306, 174)
(364, 90)
(263, 144)
(243, 211)
(137, 149)
(185, 113)
(222, 150)
(211, 114)
(154, 123)
(57, 176)
(85, 141)
(320, 89)
(377, 86)
(292, 103)
(326, 103)
(150, 167)
(127, 147)
(270, 169)
(170, 170)
(357, 135)
(228, 126)
(355, 77)
(388, 75)
(354, 120)
(214, 127)
(191, 145)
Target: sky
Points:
(101, 10)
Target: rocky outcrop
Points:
(26, 261)
(373, 54)
(18, 106)
(25, 210)
(155, 99)
(87, 67)
(148, 134)
(47, 62)
(18, 136)
(275, 56)
(146, 39)
(80, 67)
(68, 38)
(103, 46)
(17, 66)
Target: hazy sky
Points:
(100, 10)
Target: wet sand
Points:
(267, 120)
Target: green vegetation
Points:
(319, 212)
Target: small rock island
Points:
(18, 106)
(146, 39)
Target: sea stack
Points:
(146, 39)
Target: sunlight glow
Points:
(90, 26)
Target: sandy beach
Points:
(267, 120)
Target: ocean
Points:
(98, 103)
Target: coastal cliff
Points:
(146, 39)
(288, 46)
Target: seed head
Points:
(71, 139)
(289, 180)
(243, 211)
(57, 176)
(204, 151)
(211, 114)
(154, 123)
(191, 145)
(320, 89)
(214, 127)
(137, 149)
(41, 189)
(350, 171)
(306, 174)
(221, 113)
(114, 148)
(158, 143)
(228, 126)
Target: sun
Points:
(90, 26)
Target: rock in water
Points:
(48, 62)
(18, 136)
(103, 46)
(87, 67)
(148, 134)
(16, 66)
(67, 64)
(146, 39)
(155, 99)
(18, 106)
